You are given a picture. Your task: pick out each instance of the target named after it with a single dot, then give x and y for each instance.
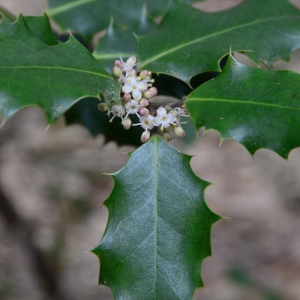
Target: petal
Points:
(137, 95)
(131, 80)
(171, 118)
(126, 88)
(131, 60)
(150, 118)
(128, 105)
(157, 121)
(142, 86)
(161, 111)
(165, 124)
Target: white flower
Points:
(132, 107)
(117, 111)
(163, 118)
(132, 85)
(129, 64)
(179, 112)
(146, 122)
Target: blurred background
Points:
(52, 186)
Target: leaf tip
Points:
(109, 174)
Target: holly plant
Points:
(159, 224)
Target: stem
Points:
(154, 106)
(8, 14)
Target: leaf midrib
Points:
(207, 37)
(242, 102)
(57, 68)
(155, 157)
(57, 10)
(108, 55)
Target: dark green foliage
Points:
(159, 225)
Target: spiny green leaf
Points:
(41, 28)
(256, 107)
(189, 41)
(121, 41)
(88, 17)
(51, 77)
(159, 225)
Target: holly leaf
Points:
(41, 28)
(85, 112)
(256, 107)
(189, 41)
(121, 41)
(50, 77)
(4, 19)
(159, 225)
(88, 17)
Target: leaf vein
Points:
(156, 57)
(242, 102)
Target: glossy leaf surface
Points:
(189, 41)
(158, 231)
(119, 41)
(88, 17)
(41, 28)
(256, 107)
(51, 77)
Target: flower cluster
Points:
(136, 91)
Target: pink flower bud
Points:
(148, 94)
(102, 107)
(144, 102)
(127, 97)
(179, 131)
(144, 111)
(153, 90)
(167, 136)
(144, 74)
(116, 71)
(145, 136)
(127, 123)
(118, 63)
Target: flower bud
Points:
(145, 136)
(144, 111)
(102, 107)
(127, 97)
(167, 136)
(148, 94)
(116, 71)
(118, 63)
(144, 102)
(127, 123)
(179, 131)
(153, 90)
(144, 74)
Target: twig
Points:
(154, 106)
